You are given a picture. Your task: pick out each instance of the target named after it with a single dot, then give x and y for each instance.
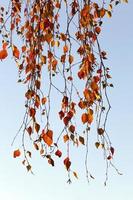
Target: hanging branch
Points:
(60, 51)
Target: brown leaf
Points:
(72, 129)
(81, 139)
(97, 144)
(75, 174)
(51, 161)
(100, 131)
(37, 127)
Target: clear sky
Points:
(50, 183)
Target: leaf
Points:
(47, 137)
(32, 112)
(125, 1)
(112, 150)
(37, 84)
(23, 49)
(72, 129)
(100, 131)
(54, 64)
(97, 144)
(81, 139)
(67, 163)
(66, 120)
(108, 13)
(97, 29)
(29, 153)
(16, 153)
(28, 167)
(90, 116)
(36, 146)
(65, 49)
(29, 130)
(16, 52)
(37, 127)
(3, 54)
(84, 118)
(109, 157)
(4, 45)
(51, 161)
(66, 138)
(102, 12)
(61, 114)
(75, 174)
(44, 100)
(71, 59)
(58, 153)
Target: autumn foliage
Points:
(59, 51)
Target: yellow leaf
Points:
(108, 13)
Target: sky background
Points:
(50, 183)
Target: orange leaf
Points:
(75, 174)
(90, 116)
(97, 29)
(94, 86)
(3, 54)
(23, 48)
(84, 118)
(71, 59)
(16, 153)
(66, 138)
(5, 44)
(65, 49)
(16, 52)
(48, 137)
(44, 99)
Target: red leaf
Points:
(32, 112)
(66, 120)
(61, 114)
(67, 163)
(58, 153)
(16, 153)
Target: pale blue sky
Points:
(50, 183)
